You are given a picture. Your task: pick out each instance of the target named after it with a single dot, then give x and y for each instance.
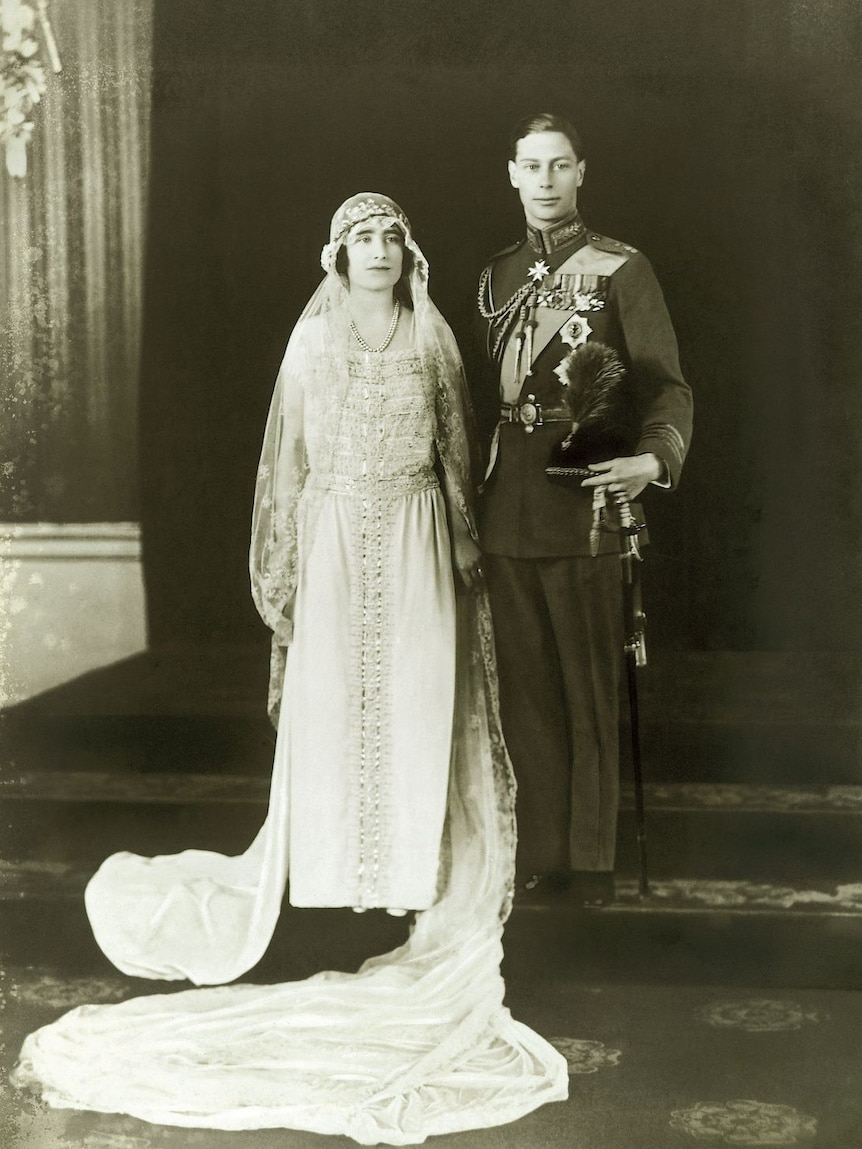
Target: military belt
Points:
(532, 414)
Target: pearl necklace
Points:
(367, 346)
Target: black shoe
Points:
(592, 889)
(550, 882)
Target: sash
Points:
(586, 261)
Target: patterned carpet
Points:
(651, 1067)
(722, 1011)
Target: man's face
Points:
(547, 174)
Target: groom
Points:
(558, 614)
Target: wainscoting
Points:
(71, 601)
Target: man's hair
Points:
(545, 122)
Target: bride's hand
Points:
(283, 632)
(467, 559)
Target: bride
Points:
(391, 786)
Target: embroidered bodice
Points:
(381, 431)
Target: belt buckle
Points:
(530, 414)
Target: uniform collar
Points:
(547, 240)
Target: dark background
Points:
(722, 138)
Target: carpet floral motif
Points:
(740, 895)
(127, 1133)
(746, 796)
(744, 1123)
(757, 1015)
(50, 992)
(39, 1126)
(62, 1129)
(585, 1056)
(110, 1141)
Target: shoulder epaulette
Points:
(506, 251)
(612, 246)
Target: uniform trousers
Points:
(559, 632)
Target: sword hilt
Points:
(635, 639)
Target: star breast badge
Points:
(538, 271)
(575, 331)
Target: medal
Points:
(538, 271)
(567, 292)
(575, 331)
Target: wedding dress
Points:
(350, 549)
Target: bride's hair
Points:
(401, 291)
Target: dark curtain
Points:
(722, 139)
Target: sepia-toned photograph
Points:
(430, 574)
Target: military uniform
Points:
(558, 613)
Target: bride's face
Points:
(375, 255)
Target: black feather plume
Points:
(592, 375)
(597, 395)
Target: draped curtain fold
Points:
(71, 275)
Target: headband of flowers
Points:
(367, 205)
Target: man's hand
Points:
(626, 477)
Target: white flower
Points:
(23, 81)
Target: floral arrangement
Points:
(22, 76)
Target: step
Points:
(771, 718)
(123, 744)
(52, 881)
(767, 753)
(765, 688)
(672, 749)
(694, 830)
(719, 933)
(736, 830)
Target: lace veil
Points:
(283, 520)
(417, 1041)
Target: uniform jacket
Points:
(524, 514)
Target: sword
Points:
(635, 656)
(529, 328)
(524, 340)
(519, 350)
